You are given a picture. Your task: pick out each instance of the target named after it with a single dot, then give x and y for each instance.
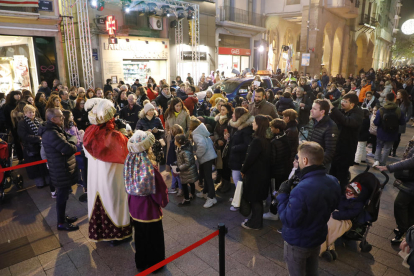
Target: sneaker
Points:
(210, 202)
(398, 238)
(244, 225)
(172, 191)
(234, 209)
(180, 192)
(279, 230)
(371, 155)
(201, 195)
(376, 163)
(270, 216)
(53, 194)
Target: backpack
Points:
(390, 120)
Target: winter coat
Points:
(162, 101)
(407, 164)
(292, 134)
(280, 152)
(221, 125)
(108, 87)
(205, 107)
(333, 95)
(407, 111)
(284, 103)
(80, 116)
(264, 108)
(363, 91)
(130, 114)
(186, 164)
(257, 171)
(60, 149)
(183, 119)
(204, 146)
(181, 94)
(348, 124)
(141, 99)
(68, 105)
(214, 97)
(145, 124)
(45, 90)
(31, 150)
(241, 133)
(348, 209)
(171, 154)
(304, 112)
(387, 90)
(305, 212)
(191, 104)
(374, 103)
(381, 134)
(363, 135)
(41, 108)
(325, 133)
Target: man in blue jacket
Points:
(306, 209)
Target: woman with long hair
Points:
(53, 102)
(256, 172)
(122, 100)
(178, 80)
(29, 100)
(81, 93)
(40, 103)
(403, 101)
(270, 96)
(141, 95)
(11, 101)
(176, 113)
(90, 94)
(80, 115)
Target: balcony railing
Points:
(20, 9)
(368, 20)
(228, 13)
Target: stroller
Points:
(6, 161)
(372, 190)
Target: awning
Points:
(19, 3)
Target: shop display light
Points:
(94, 4)
(111, 25)
(261, 48)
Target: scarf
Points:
(139, 174)
(34, 125)
(177, 113)
(167, 96)
(257, 105)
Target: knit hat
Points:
(140, 141)
(148, 107)
(355, 187)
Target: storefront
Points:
(186, 65)
(233, 58)
(134, 58)
(26, 61)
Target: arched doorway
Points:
(362, 45)
(327, 47)
(337, 52)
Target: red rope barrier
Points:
(28, 164)
(178, 254)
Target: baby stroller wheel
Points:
(365, 246)
(334, 254)
(19, 181)
(327, 256)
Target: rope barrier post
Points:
(222, 257)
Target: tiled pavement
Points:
(247, 252)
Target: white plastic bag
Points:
(237, 195)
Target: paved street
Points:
(31, 245)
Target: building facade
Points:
(30, 45)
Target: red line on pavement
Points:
(20, 3)
(27, 165)
(178, 254)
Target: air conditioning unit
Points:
(155, 23)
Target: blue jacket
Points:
(381, 134)
(306, 211)
(348, 208)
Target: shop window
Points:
(292, 2)
(234, 41)
(45, 52)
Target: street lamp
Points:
(408, 27)
(261, 48)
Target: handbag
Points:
(225, 150)
(237, 195)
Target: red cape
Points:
(105, 143)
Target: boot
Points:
(225, 186)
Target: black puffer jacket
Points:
(292, 135)
(186, 164)
(325, 133)
(145, 124)
(280, 152)
(130, 114)
(348, 124)
(241, 133)
(284, 103)
(60, 149)
(80, 116)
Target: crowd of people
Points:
(292, 145)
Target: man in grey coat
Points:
(261, 106)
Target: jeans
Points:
(404, 211)
(175, 178)
(301, 261)
(185, 190)
(62, 195)
(207, 170)
(361, 153)
(236, 175)
(383, 149)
